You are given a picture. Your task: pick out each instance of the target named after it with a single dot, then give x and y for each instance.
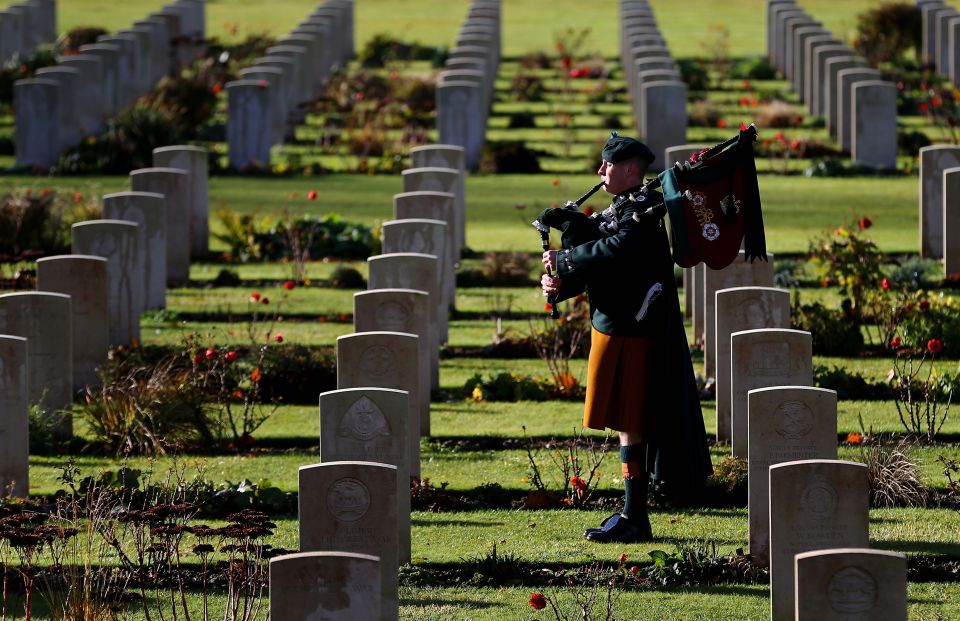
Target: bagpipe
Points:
(712, 202)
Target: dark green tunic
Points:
(617, 271)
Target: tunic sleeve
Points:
(609, 253)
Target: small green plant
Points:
(851, 260)
(698, 563)
(923, 393)
(495, 567)
(576, 471)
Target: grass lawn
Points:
(476, 443)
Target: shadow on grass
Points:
(932, 548)
(478, 524)
(459, 603)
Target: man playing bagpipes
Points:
(640, 379)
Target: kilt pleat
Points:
(618, 381)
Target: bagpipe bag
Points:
(713, 203)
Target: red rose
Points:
(197, 359)
(255, 296)
(634, 570)
(289, 285)
(312, 195)
(744, 101)
(231, 356)
(216, 89)
(934, 346)
(895, 342)
(923, 108)
(265, 301)
(936, 101)
(210, 354)
(538, 601)
(924, 305)
(795, 145)
(721, 124)
(548, 306)
(865, 223)
(565, 61)
(278, 338)
(578, 483)
(623, 557)
(78, 197)
(885, 284)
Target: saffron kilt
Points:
(618, 381)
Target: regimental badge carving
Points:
(753, 313)
(377, 361)
(348, 500)
(770, 358)
(851, 590)
(363, 421)
(415, 241)
(819, 499)
(793, 420)
(392, 317)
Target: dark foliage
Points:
(888, 31)
(835, 333)
(509, 157)
(82, 35)
(381, 49)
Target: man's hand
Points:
(550, 260)
(549, 284)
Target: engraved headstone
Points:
(249, 123)
(831, 93)
(84, 279)
(740, 273)
(370, 424)
(37, 138)
(874, 139)
(814, 505)
(424, 236)
(432, 206)
(846, 78)
(68, 118)
(193, 160)
(951, 221)
(328, 586)
(402, 310)
(934, 160)
(384, 360)
(174, 184)
(785, 423)
(664, 106)
(351, 506)
(460, 118)
(148, 209)
(850, 583)
(44, 319)
(442, 156)
(410, 270)
(738, 309)
(440, 180)
(760, 359)
(87, 100)
(14, 417)
(118, 242)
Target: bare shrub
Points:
(894, 477)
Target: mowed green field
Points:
(500, 209)
(529, 25)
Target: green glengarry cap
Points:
(620, 148)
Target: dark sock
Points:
(633, 458)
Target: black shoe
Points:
(586, 533)
(622, 530)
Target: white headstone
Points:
(814, 505)
(149, 210)
(193, 160)
(37, 106)
(14, 416)
(84, 279)
(874, 139)
(761, 359)
(249, 123)
(934, 160)
(850, 583)
(351, 506)
(333, 586)
(174, 184)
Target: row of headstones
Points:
(466, 84)
(269, 98)
(940, 37)
(940, 205)
(657, 91)
(53, 340)
(808, 513)
(355, 504)
(26, 25)
(773, 417)
(62, 104)
(860, 109)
